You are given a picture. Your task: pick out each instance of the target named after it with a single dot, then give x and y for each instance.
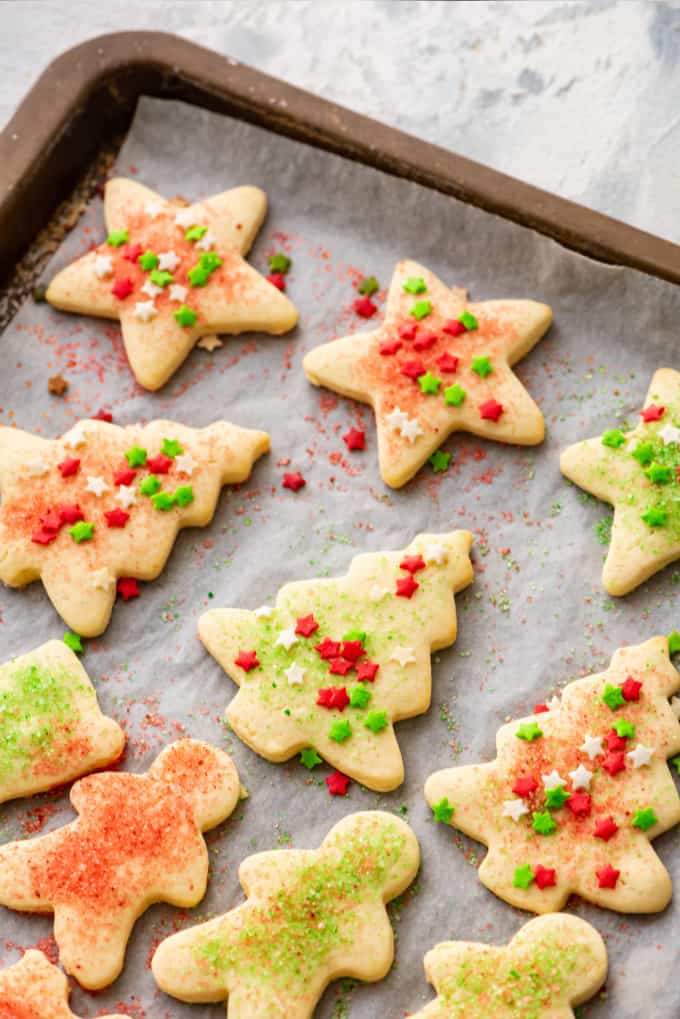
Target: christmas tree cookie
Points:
(35, 989)
(577, 792)
(337, 662)
(552, 963)
(51, 728)
(104, 502)
(311, 916)
(172, 273)
(137, 840)
(638, 472)
(438, 364)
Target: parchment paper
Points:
(535, 617)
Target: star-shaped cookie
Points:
(104, 502)
(437, 364)
(51, 727)
(311, 916)
(551, 964)
(337, 662)
(138, 839)
(638, 472)
(577, 792)
(35, 989)
(172, 273)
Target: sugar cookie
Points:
(35, 989)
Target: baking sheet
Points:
(535, 617)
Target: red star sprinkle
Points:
(354, 439)
(390, 347)
(412, 563)
(614, 742)
(365, 307)
(366, 670)
(131, 252)
(43, 537)
(328, 648)
(333, 697)
(294, 481)
(306, 625)
(406, 587)
(412, 369)
(652, 413)
(247, 660)
(68, 467)
(631, 689)
(614, 763)
(447, 362)
(425, 341)
(606, 829)
(160, 464)
(607, 876)
(103, 415)
(408, 331)
(490, 410)
(122, 288)
(116, 517)
(124, 477)
(127, 588)
(340, 666)
(525, 786)
(51, 522)
(278, 280)
(337, 783)
(545, 877)
(352, 650)
(579, 804)
(540, 709)
(70, 513)
(453, 328)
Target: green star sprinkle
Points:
(281, 263)
(481, 366)
(643, 453)
(117, 237)
(210, 260)
(309, 758)
(150, 485)
(376, 721)
(162, 501)
(183, 495)
(194, 233)
(613, 696)
(148, 261)
(198, 276)
(623, 728)
(74, 642)
(443, 811)
(659, 474)
(340, 731)
(171, 448)
(368, 285)
(468, 320)
(644, 819)
(136, 456)
(655, 516)
(185, 316)
(613, 438)
(439, 461)
(414, 285)
(359, 635)
(523, 877)
(82, 531)
(543, 823)
(454, 395)
(429, 383)
(673, 643)
(161, 279)
(421, 309)
(528, 731)
(359, 696)
(556, 798)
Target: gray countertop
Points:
(580, 98)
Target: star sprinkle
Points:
(479, 342)
(514, 809)
(359, 674)
(294, 481)
(127, 495)
(96, 485)
(226, 294)
(211, 342)
(295, 675)
(75, 437)
(443, 811)
(354, 439)
(602, 816)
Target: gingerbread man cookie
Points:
(137, 840)
(551, 964)
(104, 502)
(35, 989)
(577, 792)
(337, 662)
(172, 274)
(311, 916)
(638, 472)
(437, 364)
(51, 728)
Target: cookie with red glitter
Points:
(638, 472)
(138, 839)
(172, 273)
(436, 364)
(310, 917)
(563, 813)
(35, 989)
(113, 517)
(552, 964)
(336, 662)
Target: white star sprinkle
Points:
(377, 592)
(437, 554)
(96, 485)
(397, 419)
(295, 675)
(154, 208)
(167, 261)
(185, 464)
(403, 655)
(151, 289)
(102, 580)
(207, 241)
(264, 611)
(411, 430)
(178, 292)
(76, 437)
(669, 433)
(186, 217)
(641, 756)
(210, 342)
(592, 745)
(286, 639)
(126, 496)
(514, 809)
(581, 777)
(36, 468)
(103, 266)
(145, 310)
(552, 780)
